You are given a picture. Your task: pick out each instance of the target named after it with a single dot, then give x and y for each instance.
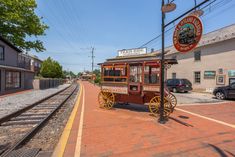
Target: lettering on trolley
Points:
(151, 88)
(119, 90)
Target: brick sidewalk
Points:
(131, 131)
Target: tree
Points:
(79, 74)
(68, 73)
(18, 23)
(97, 74)
(51, 69)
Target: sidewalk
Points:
(131, 131)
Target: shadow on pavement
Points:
(132, 107)
(219, 150)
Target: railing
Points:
(24, 65)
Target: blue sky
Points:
(110, 25)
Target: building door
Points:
(231, 91)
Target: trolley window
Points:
(135, 73)
(151, 75)
(115, 74)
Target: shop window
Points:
(151, 75)
(231, 80)
(197, 56)
(173, 75)
(197, 77)
(233, 85)
(2, 55)
(12, 80)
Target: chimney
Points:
(152, 50)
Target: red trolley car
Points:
(134, 79)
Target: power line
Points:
(58, 32)
(216, 5)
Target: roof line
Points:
(10, 44)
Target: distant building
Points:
(36, 64)
(87, 76)
(211, 64)
(15, 69)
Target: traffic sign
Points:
(187, 34)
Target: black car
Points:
(225, 92)
(179, 85)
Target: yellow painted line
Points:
(79, 137)
(60, 148)
(211, 119)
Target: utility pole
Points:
(92, 59)
(92, 62)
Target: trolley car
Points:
(135, 79)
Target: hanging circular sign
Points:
(187, 34)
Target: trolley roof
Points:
(150, 57)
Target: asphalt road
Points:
(195, 98)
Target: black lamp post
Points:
(162, 118)
(168, 8)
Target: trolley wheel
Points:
(168, 108)
(154, 106)
(106, 99)
(172, 99)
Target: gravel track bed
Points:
(12, 133)
(13, 103)
(49, 136)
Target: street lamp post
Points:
(168, 8)
(162, 118)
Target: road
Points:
(195, 98)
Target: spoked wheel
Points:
(106, 99)
(168, 108)
(172, 99)
(154, 106)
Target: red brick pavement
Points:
(224, 111)
(131, 131)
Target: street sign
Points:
(187, 34)
(131, 52)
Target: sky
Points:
(75, 26)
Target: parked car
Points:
(179, 85)
(225, 92)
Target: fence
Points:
(46, 83)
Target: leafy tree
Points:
(68, 73)
(18, 23)
(51, 69)
(97, 74)
(79, 74)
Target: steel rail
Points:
(18, 112)
(33, 131)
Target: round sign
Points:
(187, 34)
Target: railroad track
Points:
(18, 128)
